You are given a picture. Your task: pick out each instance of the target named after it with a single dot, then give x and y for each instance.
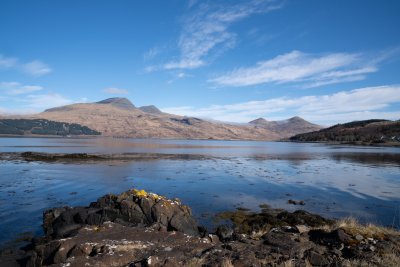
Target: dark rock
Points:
(295, 202)
(202, 231)
(224, 232)
(342, 236)
(183, 223)
(134, 208)
(332, 239)
(303, 217)
(279, 240)
(317, 259)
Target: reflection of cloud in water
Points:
(335, 182)
(360, 180)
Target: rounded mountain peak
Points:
(150, 109)
(296, 118)
(120, 102)
(259, 121)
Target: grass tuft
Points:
(352, 227)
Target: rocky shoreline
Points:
(137, 228)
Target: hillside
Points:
(118, 117)
(42, 127)
(287, 127)
(150, 109)
(363, 132)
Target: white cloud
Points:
(15, 88)
(7, 62)
(149, 69)
(36, 68)
(31, 104)
(44, 101)
(206, 30)
(364, 103)
(16, 111)
(307, 70)
(181, 75)
(151, 53)
(115, 91)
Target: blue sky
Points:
(326, 61)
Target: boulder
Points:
(224, 232)
(133, 208)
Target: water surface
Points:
(336, 181)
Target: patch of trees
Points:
(368, 131)
(43, 127)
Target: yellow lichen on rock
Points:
(139, 193)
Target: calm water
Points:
(336, 181)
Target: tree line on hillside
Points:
(367, 131)
(42, 127)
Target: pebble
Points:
(359, 237)
(302, 228)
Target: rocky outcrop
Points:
(131, 208)
(137, 228)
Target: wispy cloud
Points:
(307, 70)
(115, 91)
(206, 30)
(151, 53)
(44, 101)
(179, 75)
(364, 103)
(149, 69)
(36, 68)
(7, 62)
(32, 103)
(15, 88)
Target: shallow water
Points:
(336, 181)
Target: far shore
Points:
(370, 144)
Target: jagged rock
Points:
(133, 207)
(224, 232)
(303, 217)
(333, 239)
(317, 259)
(295, 202)
(302, 228)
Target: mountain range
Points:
(118, 117)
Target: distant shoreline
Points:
(388, 144)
